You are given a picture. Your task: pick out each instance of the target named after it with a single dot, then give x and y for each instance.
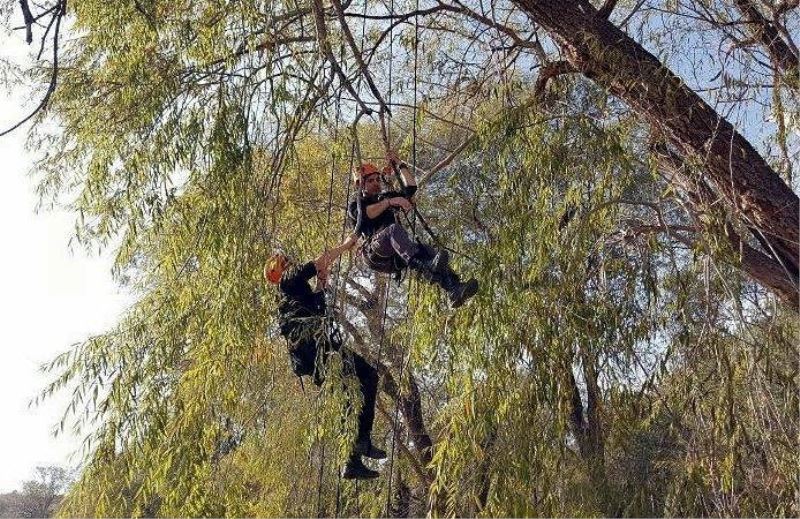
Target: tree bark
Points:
(588, 430)
(763, 29)
(410, 403)
(701, 199)
(608, 56)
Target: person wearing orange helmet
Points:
(312, 339)
(387, 246)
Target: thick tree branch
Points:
(446, 161)
(348, 35)
(327, 52)
(768, 268)
(608, 56)
(410, 404)
(767, 34)
(29, 20)
(548, 72)
(419, 469)
(607, 8)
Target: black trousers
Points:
(368, 382)
(309, 359)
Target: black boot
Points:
(355, 469)
(437, 271)
(441, 262)
(427, 267)
(457, 292)
(365, 448)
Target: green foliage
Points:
(606, 367)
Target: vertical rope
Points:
(355, 150)
(391, 67)
(404, 358)
(416, 62)
(319, 477)
(328, 322)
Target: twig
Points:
(58, 15)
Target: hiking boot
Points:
(437, 271)
(457, 292)
(462, 292)
(441, 261)
(365, 448)
(355, 469)
(429, 268)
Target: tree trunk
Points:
(605, 54)
(410, 404)
(588, 430)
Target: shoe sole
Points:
(470, 290)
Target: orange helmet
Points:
(275, 266)
(364, 170)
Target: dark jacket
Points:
(301, 310)
(370, 226)
(301, 316)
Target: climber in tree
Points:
(312, 338)
(386, 246)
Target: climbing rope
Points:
(355, 152)
(328, 322)
(404, 358)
